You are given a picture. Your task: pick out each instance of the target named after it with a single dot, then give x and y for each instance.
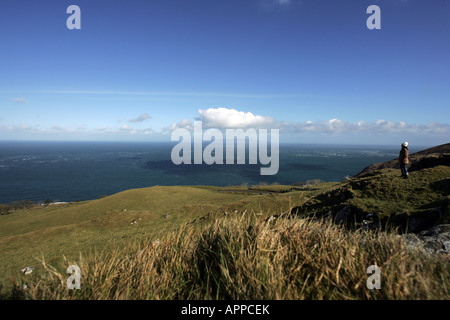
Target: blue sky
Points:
(138, 69)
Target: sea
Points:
(76, 171)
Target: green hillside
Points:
(412, 205)
(68, 229)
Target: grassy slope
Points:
(67, 230)
(387, 194)
(244, 257)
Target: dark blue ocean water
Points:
(70, 171)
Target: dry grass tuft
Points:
(241, 257)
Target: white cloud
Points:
(125, 127)
(183, 124)
(104, 129)
(129, 130)
(223, 118)
(36, 130)
(20, 100)
(141, 118)
(231, 118)
(337, 126)
(57, 129)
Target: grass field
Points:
(68, 229)
(244, 257)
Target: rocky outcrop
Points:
(434, 240)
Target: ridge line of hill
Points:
(438, 155)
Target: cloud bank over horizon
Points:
(222, 118)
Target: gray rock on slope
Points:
(434, 240)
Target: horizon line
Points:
(206, 142)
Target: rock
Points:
(434, 240)
(432, 245)
(446, 245)
(342, 216)
(27, 270)
(441, 230)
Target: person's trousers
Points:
(404, 169)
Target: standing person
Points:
(403, 158)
